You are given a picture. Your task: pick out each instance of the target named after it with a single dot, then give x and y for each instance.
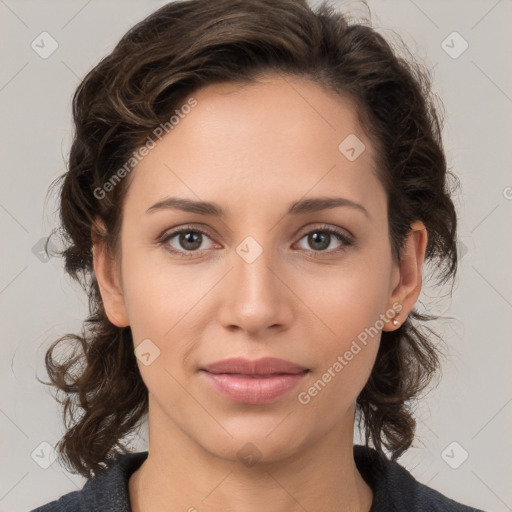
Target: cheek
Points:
(345, 300)
(160, 306)
(346, 345)
(157, 293)
(346, 306)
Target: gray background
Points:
(472, 405)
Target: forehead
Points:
(280, 136)
(278, 108)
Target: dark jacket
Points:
(394, 488)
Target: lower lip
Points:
(253, 390)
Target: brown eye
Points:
(190, 240)
(187, 240)
(319, 240)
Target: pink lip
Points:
(260, 367)
(253, 382)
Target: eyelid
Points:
(176, 230)
(328, 227)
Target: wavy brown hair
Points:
(161, 60)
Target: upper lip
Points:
(263, 366)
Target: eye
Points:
(189, 240)
(321, 238)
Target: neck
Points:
(180, 475)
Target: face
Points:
(311, 286)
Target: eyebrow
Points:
(298, 207)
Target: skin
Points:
(255, 149)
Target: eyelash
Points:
(340, 235)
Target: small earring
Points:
(396, 322)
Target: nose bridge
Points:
(257, 298)
(252, 273)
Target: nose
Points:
(255, 296)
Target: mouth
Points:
(253, 382)
(264, 367)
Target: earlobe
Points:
(410, 282)
(111, 291)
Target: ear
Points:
(410, 269)
(107, 274)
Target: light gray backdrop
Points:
(463, 446)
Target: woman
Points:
(253, 189)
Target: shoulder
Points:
(395, 489)
(72, 501)
(107, 490)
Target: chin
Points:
(269, 442)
